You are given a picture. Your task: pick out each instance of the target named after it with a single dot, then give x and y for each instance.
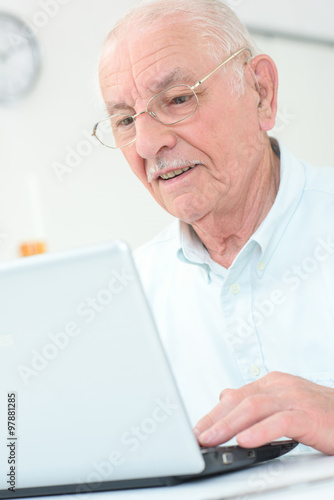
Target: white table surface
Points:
(296, 476)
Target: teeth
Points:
(170, 175)
(178, 172)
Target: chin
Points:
(185, 209)
(190, 217)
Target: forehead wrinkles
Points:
(138, 67)
(151, 68)
(115, 73)
(111, 67)
(168, 45)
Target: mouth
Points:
(176, 173)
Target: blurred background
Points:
(58, 187)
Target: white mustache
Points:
(162, 164)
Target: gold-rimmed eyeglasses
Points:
(171, 106)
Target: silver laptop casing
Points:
(92, 393)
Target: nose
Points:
(152, 136)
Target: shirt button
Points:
(254, 370)
(235, 288)
(261, 266)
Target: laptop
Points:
(88, 401)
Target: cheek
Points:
(211, 132)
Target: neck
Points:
(224, 234)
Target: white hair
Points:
(212, 21)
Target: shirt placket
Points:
(239, 330)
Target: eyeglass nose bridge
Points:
(151, 113)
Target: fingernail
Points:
(208, 436)
(196, 431)
(244, 437)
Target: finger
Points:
(229, 399)
(271, 384)
(250, 411)
(293, 424)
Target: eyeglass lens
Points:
(168, 107)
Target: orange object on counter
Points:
(32, 248)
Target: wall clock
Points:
(20, 59)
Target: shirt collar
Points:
(292, 182)
(190, 244)
(192, 251)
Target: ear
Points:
(265, 72)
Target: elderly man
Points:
(241, 285)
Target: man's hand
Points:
(276, 405)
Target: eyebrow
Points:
(178, 75)
(120, 107)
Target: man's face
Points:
(222, 141)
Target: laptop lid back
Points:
(87, 394)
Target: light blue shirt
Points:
(273, 309)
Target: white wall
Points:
(309, 18)
(101, 199)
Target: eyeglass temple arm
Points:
(222, 64)
(94, 129)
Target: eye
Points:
(181, 99)
(121, 122)
(124, 122)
